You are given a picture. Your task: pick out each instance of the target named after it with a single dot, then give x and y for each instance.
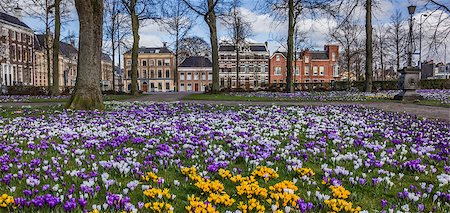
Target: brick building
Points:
(16, 51)
(254, 65)
(155, 70)
(194, 74)
(310, 66)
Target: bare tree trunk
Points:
(290, 43)
(349, 66)
(135, 49)
(369, 47)
(238, 67)
(211, 21)
(177, 55)
(47, 47)
(55, 87)
(87, 94)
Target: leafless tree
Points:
(87, 94)
(177, 22)
(397, 37)
(381, 54)
(116, 31)
(239, 30)
(209, 10)
(291, 10)
(139, 10)
(347, 34)
(193, 46)
(438, 31)
(57, 29)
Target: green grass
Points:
(226, 97)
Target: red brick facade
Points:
(310, 66)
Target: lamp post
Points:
(410, 76)
(420, 40)
(411, 10)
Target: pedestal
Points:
(408, 83)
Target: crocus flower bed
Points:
(28, 98)
(443, 96)
(175, 157)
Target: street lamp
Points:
(420, 40)
(411, 10)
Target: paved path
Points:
(414, 109)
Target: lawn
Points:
(177, 157)
(54, 99)
(439, 98)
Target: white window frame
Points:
(322, 70)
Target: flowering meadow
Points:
(178, 157)
(28, 98)
(442, 96)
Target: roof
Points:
(65, 49)
(196, 61)
(254, 47)
(13, 20)
(315, 55)
(105, 57)
(154, 50)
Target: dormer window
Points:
(306, 59)
(277, 58)
(333, 56)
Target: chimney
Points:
(18, 12)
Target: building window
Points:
(189, 76)
(277, 71)
(182, 76)
(196, 76)
(159, 73)
(19, 52)
(160, 86)
(152, 74)
(336, 70)
(128, 62)
(263, 68)
(145, 74)
(203, 76)
(297, 71)
(306, 70)
(167, 86)
(315, 70)
(13, 52)
(306, 59)
(210, 76)
(277, 58)
(19, 37)
(144, 63)
(181, 87)
(152, 62)
(160, 63)
(167, 73)
(333, 56)
(166, 62)
(322, 70)
(247, 68)
(189, 87)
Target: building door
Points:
(145, 87)
(247, 83)
(196, 87)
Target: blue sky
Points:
(264, 27)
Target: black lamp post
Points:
(411, 10)
(410, 76)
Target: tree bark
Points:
(238, 66)
(47, 47)
(55, 87)
(87, 94)
(211, 21)
(290, 43)
(347, 54)
(369, 47)
(135, 49)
